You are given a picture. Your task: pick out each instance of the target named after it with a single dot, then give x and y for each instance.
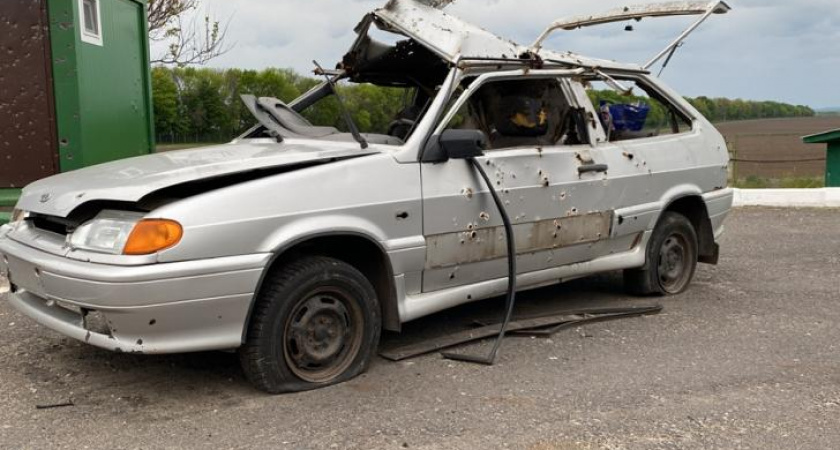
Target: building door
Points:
(27, 122)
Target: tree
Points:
(168, 118)
(190, 40)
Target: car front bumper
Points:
(159, 308)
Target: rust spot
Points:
(489, 243)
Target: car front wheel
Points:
(671, 259)
(316, 322)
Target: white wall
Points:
(789, 198)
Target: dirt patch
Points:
(777, 139)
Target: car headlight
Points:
(123, 232)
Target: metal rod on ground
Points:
(536, 326)
(511, 292)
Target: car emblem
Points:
(45, 198)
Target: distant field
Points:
(777, 139)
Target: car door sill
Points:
(419, 305)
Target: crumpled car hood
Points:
(131, 179)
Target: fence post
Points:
(733, 163)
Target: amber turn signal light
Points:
(153, 235)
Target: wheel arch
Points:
(693, 207)
(359, 250)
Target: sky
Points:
(779, 50)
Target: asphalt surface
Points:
(749, 357)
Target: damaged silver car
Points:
(295, 244)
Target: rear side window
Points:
(640, 113)
(522, 113)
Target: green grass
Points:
(755, 182)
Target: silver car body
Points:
(429, 230)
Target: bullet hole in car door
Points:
(537, 139)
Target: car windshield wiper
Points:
(344, 113)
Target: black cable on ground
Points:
(511, 291)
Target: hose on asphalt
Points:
(511, 290)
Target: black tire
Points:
(671, 259)
(316, 322)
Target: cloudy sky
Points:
(763, 50)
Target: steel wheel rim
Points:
(323, 335)
(674, 263)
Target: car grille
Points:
(57, 225)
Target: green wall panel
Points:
(103, 93)
(832, 165)
(8, 199)
(64, 41)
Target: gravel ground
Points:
(748, 358)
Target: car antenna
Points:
(344, 113)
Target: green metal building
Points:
(75, 88)
(832, 161)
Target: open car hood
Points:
(130, 180)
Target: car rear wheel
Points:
(671, 259)
(315, 323)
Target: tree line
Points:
(203, 105)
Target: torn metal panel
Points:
(446, 35)
(639, 12)
(457, 41)
(483, 244)
(437, 3)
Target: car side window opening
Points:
(641, 113)
(390, 111)
(521, 113)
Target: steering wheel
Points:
(392, 127)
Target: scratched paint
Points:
(482, 244)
